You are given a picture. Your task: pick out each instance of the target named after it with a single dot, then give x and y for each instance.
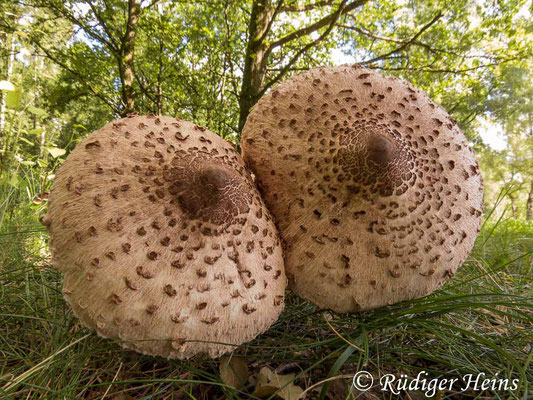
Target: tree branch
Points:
(317, 25)
(227, 51)
(86, 28)
(307, 7)
(295, 58)
(104, 26)
(77, 74)
(153, 3)
(271, 20)
(367, 33)
(443, 70)
(408, 43)
(144, 89)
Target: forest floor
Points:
(481, 321)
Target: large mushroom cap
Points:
(164, 241)
(376, 193)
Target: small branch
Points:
(86, 28)
(75, 73)
(408, 43)
(441, 70)
(366, 32)
(271, 20)
(227, 53)
(307, 7)
(104, 26)
(153, 3)
(143, 88)
(304, 49)
(292, 69)
(317, 25)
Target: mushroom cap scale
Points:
(163, 239)
(374, 188)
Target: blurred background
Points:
(69, 67)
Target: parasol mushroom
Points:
(164, 242)
(375, 190)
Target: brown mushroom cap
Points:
(376, 193)
(164, 241)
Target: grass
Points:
(480, 321)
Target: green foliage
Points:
(453, 50)
(190, 59)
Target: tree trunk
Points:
(128, 94)
(529, 204)
(159, 94)
(255, 59)
(4, 136)
(513, 205)
(10, 59)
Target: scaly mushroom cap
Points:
(376, 193)
(164, 241)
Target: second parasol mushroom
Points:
(164, 241)
(375, 190)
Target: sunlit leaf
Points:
(28, 163)
(25, 141)
(37, 111)
(268, 383)
(14, 181)
(36, 131)
(12, 99)
(56, 152)
(6, 85)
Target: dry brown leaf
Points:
(233, 371)
(268, 383)
(337, 389)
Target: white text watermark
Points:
(364, 380)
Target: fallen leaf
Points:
(268, 383)
(233, 371)
(338, 389)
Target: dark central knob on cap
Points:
(213, 177)
(207, 190)
(374, 160)
(380, 149)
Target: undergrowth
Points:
(480, 322)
